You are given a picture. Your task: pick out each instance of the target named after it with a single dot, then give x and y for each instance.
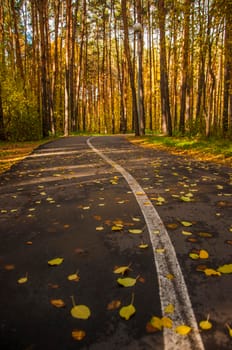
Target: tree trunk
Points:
(130, 66)
(164, 88)
(185, 66)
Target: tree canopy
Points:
(86, 66)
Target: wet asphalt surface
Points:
(63, 200)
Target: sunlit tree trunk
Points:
(130, 66)
(185, 66)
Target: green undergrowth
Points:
(206, 149)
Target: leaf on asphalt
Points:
(99, 228)
(205, 324)
(136, 219)
(183, 329)
(186, 199)
(80, 311)
(135, 231)
(23, 280)
(212, 272)
(156, 323)
(9, 267)
(186, 223)
(57, 303)
(122, 269)
(186, 233)
(169, 309)
(127, 311)
(225, 269)
(143, 246)
(172, 226)
(117, 227)
(78, 334)
(74, 277)
(203, 254)
(114, 304)
(229, 329)
(127, 281)
(205, 234)
(55, 262)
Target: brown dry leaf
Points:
(150, 328)
(53, 285)
(78, 334)
(57, 303)
(172, 226)
(205, 234)
(114, 304)
(9, 267)
(97, 217)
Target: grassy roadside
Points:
(212, 149)
(13, 152)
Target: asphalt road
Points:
(66, 201)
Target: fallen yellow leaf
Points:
(78, 334)
(55, 262)
(80, 311)
(166, 322)
(225, 268)
(183, 329)
(122, 269)
(169, 309)
(127, 311)
(127, 281)
(205, 325)
(203, 254)
(135, 231)
(212, 272)
(57, 303)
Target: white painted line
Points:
(171, 291)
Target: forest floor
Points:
(216, 150)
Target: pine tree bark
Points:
(164, 87)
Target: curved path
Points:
(65, 200)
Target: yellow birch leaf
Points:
(212, 272)
(205, 325)
(169, 309)
(136, 219)
(122, 269)
(194, 256)
(73, 277)
(135, 231)
(203, 254)
(117, 227)
(127, 311)
(183, 329)
(186, 223)
(99, 228)
(225, 269)
(160, 250)
(186, 233)
(170, 276)
(57, 303)
(80, 311)
(229, 329)
(23, 280)
(143, 246)
(156, 322)
(55, 262)
(127, 281)
(78, 334)
(166, 322)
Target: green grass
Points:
(209, 149)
